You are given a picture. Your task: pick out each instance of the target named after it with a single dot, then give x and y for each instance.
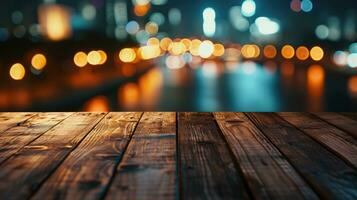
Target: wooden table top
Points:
(169, 155)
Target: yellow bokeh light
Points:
(153, 41)
(218, 50)
(317, 53)
(149, 52)
(165, 43)
(250, 51)
(80, 59)
(103, 57)
(127, 55)
(55, 21)
(302, 53)
(206, 49)
(177, 48)
(17, 71)
(195, 46)
(38, 61)
(152, 28)
(288, 51)
(269, 51)
(94, 58)
(187, 43)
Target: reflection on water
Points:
(315, 87)
(211, 85)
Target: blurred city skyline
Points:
(101, 17)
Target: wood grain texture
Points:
(15, 138)
(329, 136)
(342, 122)
(8, 120)
(329, 176)
(24, 172)
(148, 168)
(268, 174)
(87, 170)
(206, 166)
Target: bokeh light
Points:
(352, 60)
(80, 59)
(94, 58)
(269, 51)
(165, 43)
(302, 53)
(288, 52)
(195, 46)
(248, 8)
(317, 53)
(17, 71)
(250, 51)
(175, 62)
(127, 55)
(38, 61)
(206, 49)
(218, 50)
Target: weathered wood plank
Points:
(8, 120)
(24, 172)
(86, 172)
(332, 138)
(148, 168)
(344, 123)
(13, 139)
(268, 174)
(330, 176)
(206, 166)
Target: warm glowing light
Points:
(288, 51)
(97, 104)
(250, 51)
(317, 53)
(187, 43)
(55, 21)
(94, 58)
(103, 57)
(287, 68)
(206, 49)
(175, 62)
(315, 86)
(129, 95)
(127, 55)
(315, 74)
(152, 28)
(165, 43)
(302, 53)
(269, 51)
(153, 41)
(218, 50)
(352, 85)
(177, 48)
(38, 61)
(195, 45)
(149, 52)
(80, 59)
(141, 10)
(17, 71)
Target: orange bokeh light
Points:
(288, 51)
(269, 51)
